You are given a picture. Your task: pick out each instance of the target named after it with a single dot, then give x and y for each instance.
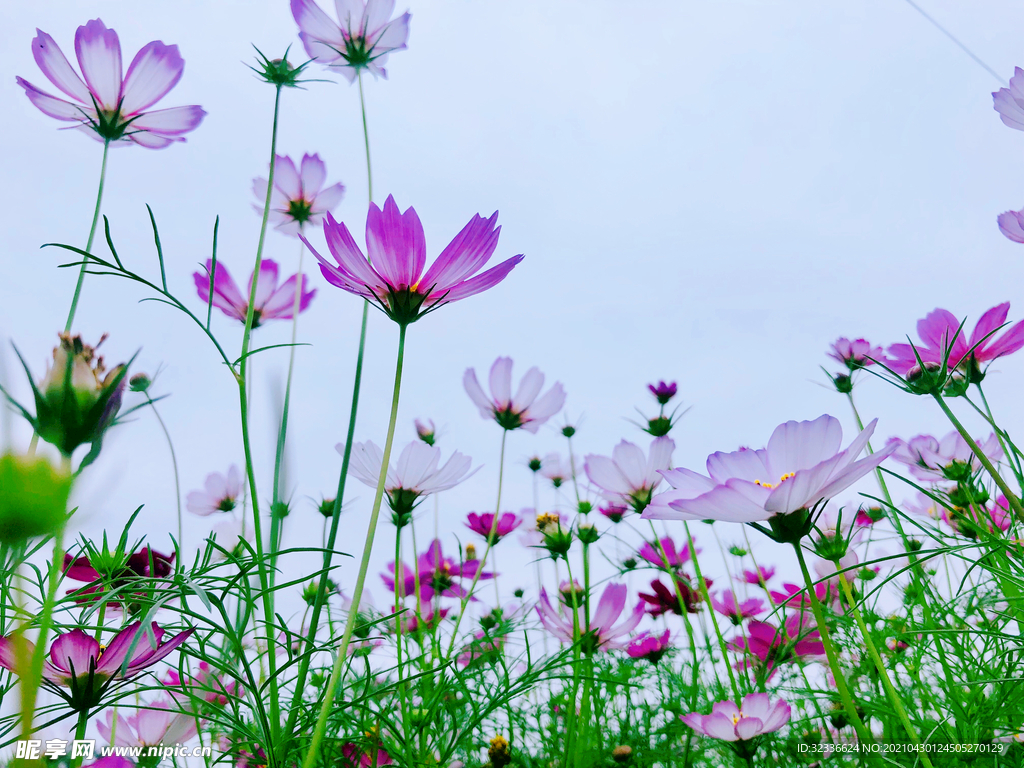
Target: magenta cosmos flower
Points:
(602, 633)
(947, 459)
(855, 354)
(436, 574)
(107, 106)
(673, 558)
(649, 647)
(801, 467)
(759, 577)
(79, 663)
(940, 332)
(493, 531)
(394, 276)
(629, 477)
(736, 611)
(769, 646)
(299, 196)
(662, 599)
(524, 409)
(220, 493)
(757, 715)
(663, 392)
(273, 301)
(363, 39)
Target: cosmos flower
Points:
(357, 758)
(299, 196)
(1009, 102)
(524, 410)
(760, 576)
(153, 724)
(142, 564)
(107, 106)
(555, 469)
(737, 612)
(793, 642)
(363, 39)
(416, 475)
(273, 301)
(220, 493)
(204, 684)
(950, 458)
(1011, 224)
(663, 599)
(855, 354)
(940, 330)
(757, 715)
(485, 525)
(426, 431)
(394, 276)
(629, 477)
(663, 392)
(614, 512)
(78, 662)
(801, 466)
(673, 558)
(649, 647)
(436, 573)
(602, 632)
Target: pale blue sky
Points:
(704, 192)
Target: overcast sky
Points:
(705, 192)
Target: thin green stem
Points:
(364, 566)
(833, 658)
(83, 723)
(174, 463)
(366, 137)
(88, 244)
(30, 686)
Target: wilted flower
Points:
(34, 500)
(802, 466)
(393, 277)
(299, 196)
(413, 478)
(273, 301)
(79, 663)
(493, 530)
(436, 574)
(220, 493)
(649, 647)
(107, 106)
(737, 612)
(940, 331)
(363, 39)
(524, 410)
(756, 716)
(855, 354)
(629, 477)
(950, 458)
(602, 632)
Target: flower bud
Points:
(279, 509)
(534, 464)
(585, 507)
(279, 72)
(426, 431)
(843, 383)
(140, 382)
(326, 508)
(926, 380)
(499, 752)
(568, 430)
(470, 552)
(34, 497)
(629, 563)
(519, 593)
(737, 551)
(659, 426)
(587, 533)
(622, 754)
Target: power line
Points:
(960, 45)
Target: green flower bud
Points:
(34, 497)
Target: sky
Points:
(709, 193)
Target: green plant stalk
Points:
(863, 734)
(174, 464)
(570, 723)
(83, 723)
(985, 462)
(88, 244)
(890, 691)
(399, 603)
(243, 400)
(588, 663)
(321, 594)
(364, 565)
(30, 687)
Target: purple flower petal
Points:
(99, 57)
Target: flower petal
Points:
(54, 64)
(99, 57)
(153, 72)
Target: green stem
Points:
(366, 137)
(30, 686)
(863, 734)
(985, 462)
(364, 565)
(243, 400)
(88, 244)
(83, 723)
(890, 691)
(174, 463)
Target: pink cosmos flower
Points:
(437, 574)
(204, 684)
(629, 477)
(107, 106)
(855, 354)
(524, 410)
(757, 715)
(760, 576)
(1009, 102)
(299, 196)
(485, 525)
(935, 460)
(649, 647)
(357, 758)
(602, 632)
(663, 599)
(153, 724)
(663, 392)
(674, 558)
(802, 466)
(481, 650)
(555, 469)
(363, 39)
(737, 612)
(220, 493)
(1011, 224)
(614, 512)
(426, 431)
(940, 330)
(141, 564)
(794, 642)
(394, 277)
(78, 662)
(273, 301)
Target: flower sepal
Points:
(788, 528)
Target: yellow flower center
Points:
(782, 479)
